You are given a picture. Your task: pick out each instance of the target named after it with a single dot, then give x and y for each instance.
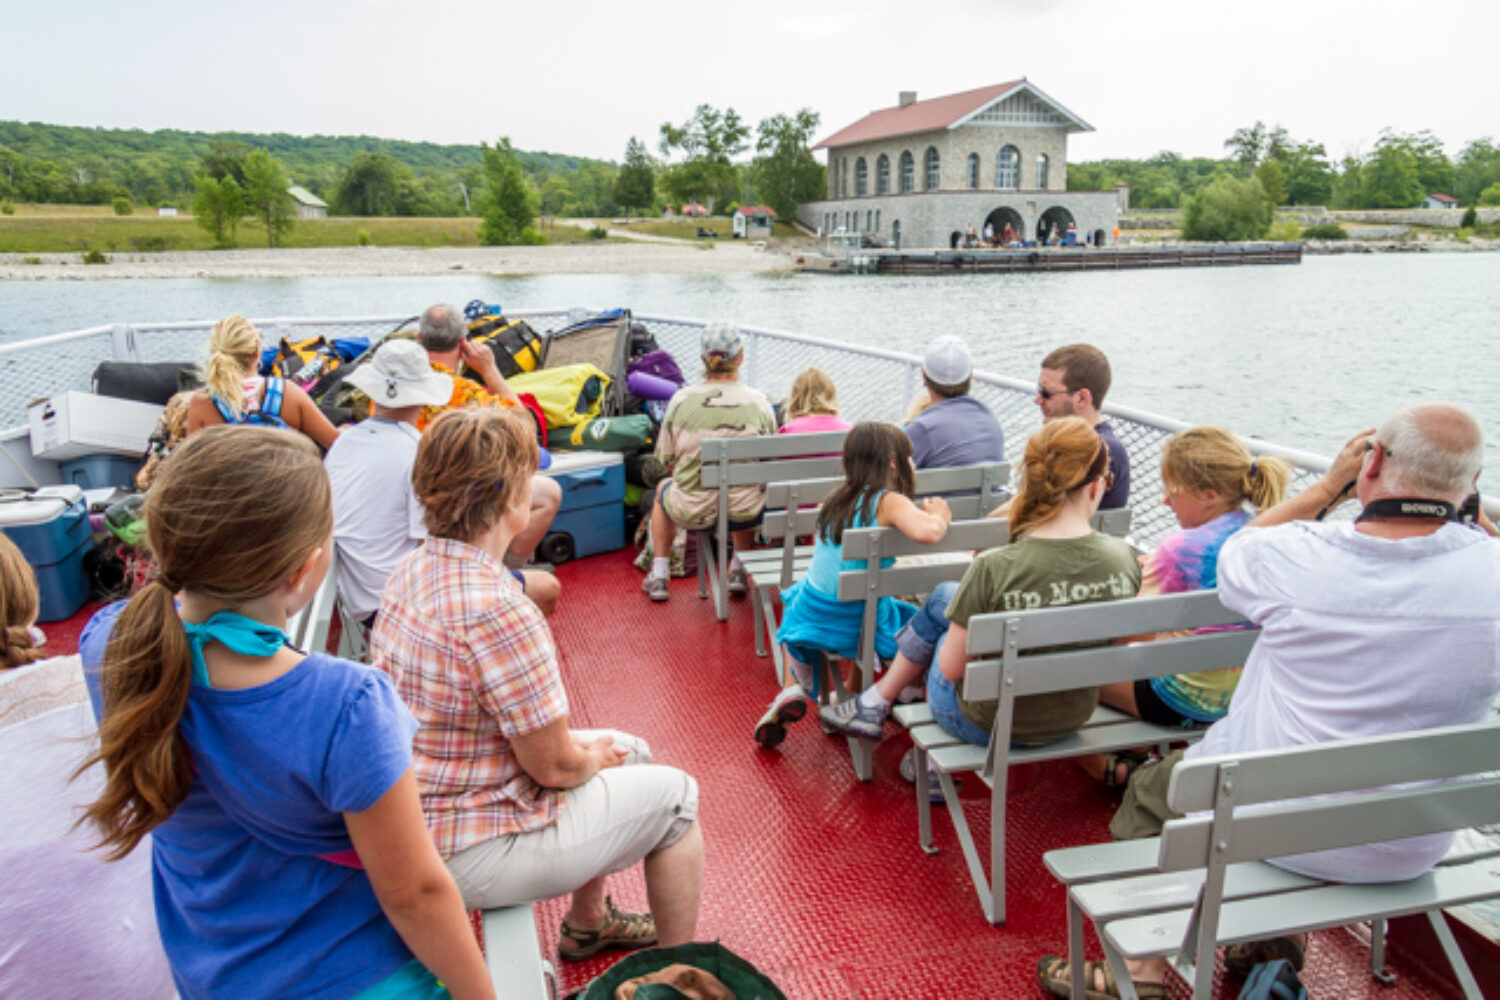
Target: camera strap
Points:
(1410, 508)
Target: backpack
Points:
(307, 363)
(269, 413)
(625, 433)
(516, 346)
(1275, 980)
(569, 395)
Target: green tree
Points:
(509, 206)
(1273, 181)
(1434, 169)
(225, 158)
(1309, 179)
(1389, 178)
(1228, 208)
(370, 185)
(1348, 187)
(218, 206)
(708, 142)
(635, 184)
(785, 171)
(1490, 195)
(266, 195)
(1256, 143)
(1478, 167)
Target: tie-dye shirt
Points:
(1183, 561)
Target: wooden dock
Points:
(1078, 258)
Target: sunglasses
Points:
(1046, 393)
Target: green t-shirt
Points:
(1044, 573)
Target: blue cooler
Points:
(93, 472)
(51, 528)
(591, 518)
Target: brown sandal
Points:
(1052, 970)
(618, 929)
(1128, 760)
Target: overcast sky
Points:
(582, 76)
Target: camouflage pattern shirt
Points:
(709, 410)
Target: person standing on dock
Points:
(1073, 382)
(956, 429)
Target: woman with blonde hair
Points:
(1055, 557)
(235, 394)
(1214, 486)
(290, 853)
(813, 405)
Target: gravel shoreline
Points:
(376, 262)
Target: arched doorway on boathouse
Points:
(998, 219)
(1057, 214)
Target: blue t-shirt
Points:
(954, 432)
(245, 905)
(1119, 464)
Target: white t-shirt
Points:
(1360, 636)
(376, 516)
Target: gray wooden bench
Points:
(791, 512)
(513, 954)
(753, 461)
(1206, 880)
(876, 581)
(1014, 660)
(308, 629)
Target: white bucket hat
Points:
(400, 375)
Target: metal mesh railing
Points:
(873, 383)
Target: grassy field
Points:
(79, 228)
(687, 229)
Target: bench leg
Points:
(760, 618)
(1122, 973)
(924, 804)
(1075, 948)
(966, 841)
(1455, 956)
(1377, 953)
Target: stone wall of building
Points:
(954, 147)
(927, 219)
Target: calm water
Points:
(1302, 355)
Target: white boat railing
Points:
(874, 383)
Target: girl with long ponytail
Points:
(290, 853)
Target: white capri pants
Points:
(605, 825)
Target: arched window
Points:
(844, 177)
(861, 178)
(908, 172)
(973, 178)
(930, 169)
(1041, 170)
(1008, 168)
(883, 174)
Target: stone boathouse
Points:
(917, 175)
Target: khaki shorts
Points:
(605, 825)
(1144, 809)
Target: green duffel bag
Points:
(742, 979)
(604, 434)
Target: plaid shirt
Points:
(473, 659)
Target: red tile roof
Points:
(1446, 199)
(752, 210)
(919, 116)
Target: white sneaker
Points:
(787, 707)
(656, 588)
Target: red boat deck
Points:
(812, 875)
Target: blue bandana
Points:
(243, 635)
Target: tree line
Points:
(1400, 171)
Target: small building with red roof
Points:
(1435, 200)
(693, 210)
(753, 222)
(921, 172)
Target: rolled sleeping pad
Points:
(648, 386)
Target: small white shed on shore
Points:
(753, 222)
(309, 205)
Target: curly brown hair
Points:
(1065, 455)
(473, 464)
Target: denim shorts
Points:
(942, 698)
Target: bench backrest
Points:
(769, 458)
(1280, 782)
